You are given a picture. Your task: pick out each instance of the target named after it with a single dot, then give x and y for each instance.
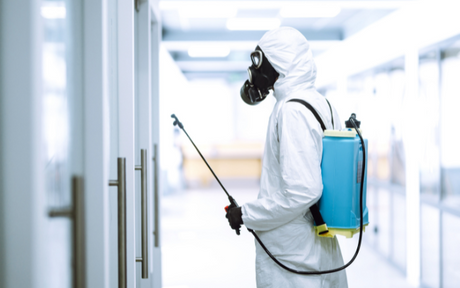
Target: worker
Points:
(291, 172)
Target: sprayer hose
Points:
(352, 120)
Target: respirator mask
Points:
(262, 77)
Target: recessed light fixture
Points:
(310, 10)
(209, 11)
(213, 51)
(253, 23)
(278, 4)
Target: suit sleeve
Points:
(300, 150)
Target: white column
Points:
(22, 197)
(96, 141)
(411, 130)
(126, 124)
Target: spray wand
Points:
(233, 203)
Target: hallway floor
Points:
(201, 251)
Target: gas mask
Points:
(262, 77)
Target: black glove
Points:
(234, 217)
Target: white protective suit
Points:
(291, 173)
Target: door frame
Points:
(22, 193)
(94, 57)
(143, 119)
(148, 37)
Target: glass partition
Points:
(450, 142)
(395, 112)
(430, 246)
(57, 135)
(384, 224)
(429, 166)
(372, 229)
(398, 230)
(430, 105)
(56, 116)
(450, 240)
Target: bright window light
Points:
(208, 11)
(310, 11)
(208, 51)
(53, 10)
(253, 23)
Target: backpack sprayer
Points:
(344, 175)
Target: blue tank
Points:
(341, 169)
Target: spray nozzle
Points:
(177, 122)
(348, 123)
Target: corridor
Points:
(98, 189)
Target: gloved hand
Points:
(234, 217)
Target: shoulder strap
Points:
(306, 104)
(314, 209)
(332, 114)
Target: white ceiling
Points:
(203, 24)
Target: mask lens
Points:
(250, 75)
(256, 58)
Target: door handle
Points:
(144, 259)
(156, 196)
(121, 184)
(77, 213)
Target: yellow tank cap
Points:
(348, 233)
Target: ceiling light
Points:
(208, 11)
(307, 10)
(232, 45)
(248, 46)
(253, 23)
(256, 5)
(53, 11)
(208, 51)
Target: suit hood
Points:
(290, 55)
